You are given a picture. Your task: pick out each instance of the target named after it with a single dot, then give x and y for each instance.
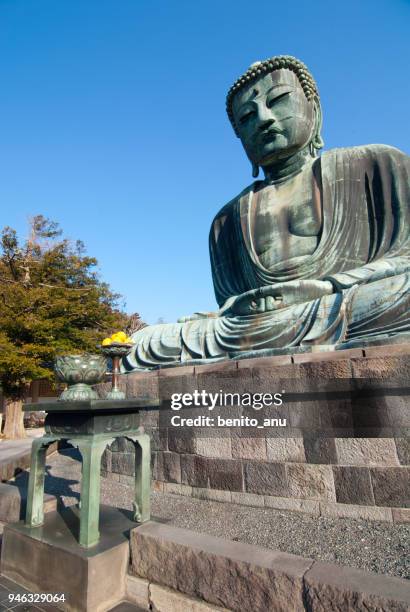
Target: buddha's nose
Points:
(265, 124)
(265, 118)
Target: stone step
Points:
(13, 502)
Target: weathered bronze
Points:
(115, 351)
(90, 426)
(80, 372)
(317, 253)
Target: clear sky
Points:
(112, 119)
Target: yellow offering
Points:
(117, 338)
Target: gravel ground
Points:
(373, 546)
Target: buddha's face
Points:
(274, 119)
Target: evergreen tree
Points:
(52, 302)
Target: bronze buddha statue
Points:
(316, 253)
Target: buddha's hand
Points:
(281, 295)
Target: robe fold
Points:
(363, 249)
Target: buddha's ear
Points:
(255, 170)
(316, 142)
(255, 167)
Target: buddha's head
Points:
(275, 110)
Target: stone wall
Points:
(201, 571)
(343, 453)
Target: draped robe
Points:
(363, 249)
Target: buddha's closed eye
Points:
(247, 115)
(271, 100)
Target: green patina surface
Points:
(91, 432)
(316, 253)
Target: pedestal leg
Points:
(142, 478)
(91, 451)
(35, 494)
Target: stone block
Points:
(366, 451)
(194, 471)
(166, 600)
(335, 587)
(397, 408)
(372, 411)
(159, 438)
(234, 575)
(310, 481)
(123, 463)
(181, 440)
(264, 362)
(248, 447)
(384, 367)
(176, 380)
(336, 414)
(217, 367)
(367, 513)
(316, 356)
(13, 502)
(391, 486)
(353, 485)
(225, 474)
(325, 369)
(103, 389)
(320, 450)
(48, 559)
(136, 591)
(143, 385)
(248, 499)
(168, 467)
(305, 415)
(212, 494)
(272, 379)
(285, 449)
(265, 478)
(106, 461)
(214, 447)
(401, 515)
(403, 450)
(122, 445)
(221, 378)
(387, 349)
(295, 505)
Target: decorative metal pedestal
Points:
(90, 426)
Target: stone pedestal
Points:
(48, 559)
(90, 426)
(344, 452)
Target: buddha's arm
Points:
(198, 315)
(377, 270)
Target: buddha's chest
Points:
(285, 222)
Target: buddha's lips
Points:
(269, 135)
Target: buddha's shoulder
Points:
(228, 209)
(371, 153)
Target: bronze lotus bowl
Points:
(79, 372)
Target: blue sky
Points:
(112, 119)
